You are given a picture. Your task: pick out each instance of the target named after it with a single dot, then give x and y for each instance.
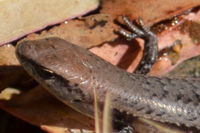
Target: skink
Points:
(71, 73)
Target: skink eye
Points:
(44, 72)
(47, 70)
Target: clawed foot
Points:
(150, 46)
(136, 31)
(127, 129)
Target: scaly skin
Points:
(150, 46)
(71, 73)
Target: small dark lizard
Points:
(71, 73)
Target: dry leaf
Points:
(87, 32)
(40, 108)
(150, 11)
(7, 55)
(20, 17)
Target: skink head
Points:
(61, 67)
(55, 56)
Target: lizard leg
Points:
(127, 129)
(122, 122)
(150, 46)
(149, 58)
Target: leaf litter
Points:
(93, 30)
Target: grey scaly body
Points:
(71, 73)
